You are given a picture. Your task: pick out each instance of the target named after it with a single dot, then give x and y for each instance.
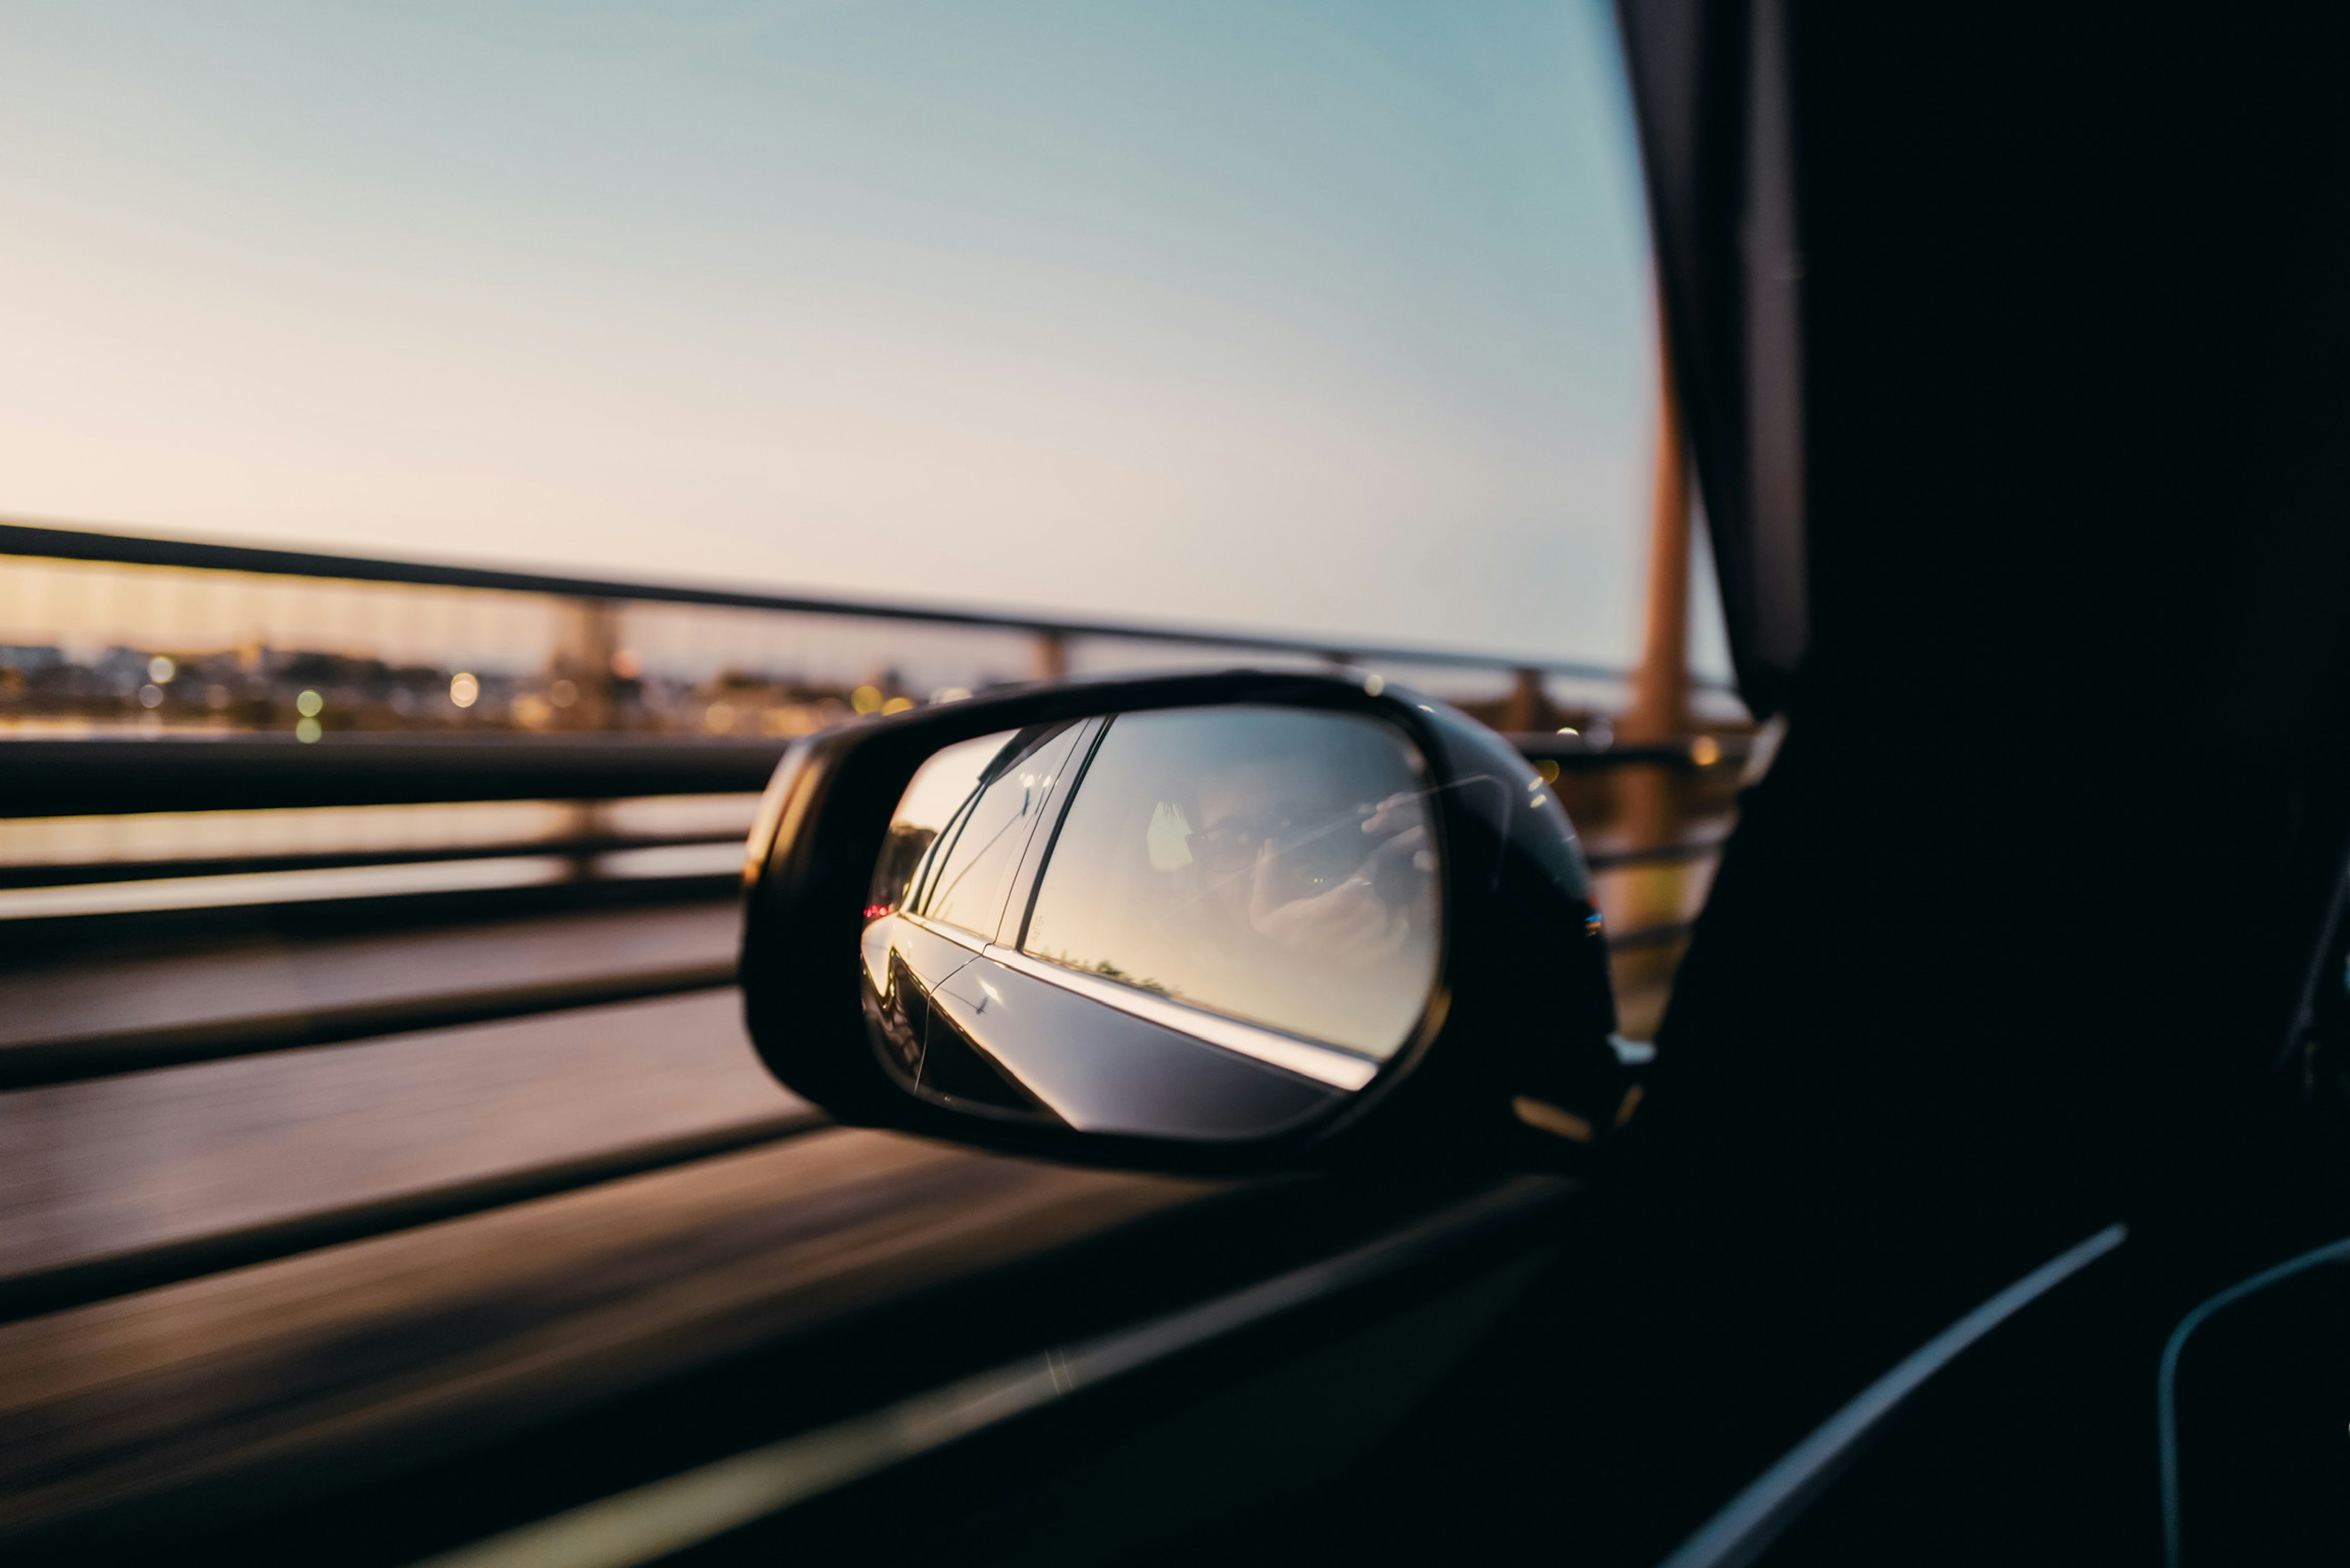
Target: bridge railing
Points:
(236, 634)
(162, 803)
(188, 728)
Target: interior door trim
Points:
(1744, 1528)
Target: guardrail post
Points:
(1528, 710)
(579, 687)
(1052, 655)
(579, 676)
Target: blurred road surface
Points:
(353, 1352)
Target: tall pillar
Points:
(1659, 706)
(1649, 797)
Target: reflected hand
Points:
(1397, 827)
(1351, 921)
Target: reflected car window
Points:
(967, 885)
(940, 789)
(1269, 864)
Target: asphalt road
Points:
(111, 1165)
(378, 1342)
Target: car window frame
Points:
(1018, 887)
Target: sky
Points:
(1301, 315)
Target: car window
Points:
(941, 787)
(966, 887)
(1267, 863)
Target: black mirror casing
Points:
(1512, 1064)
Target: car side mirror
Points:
(1223, 923)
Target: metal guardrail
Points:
(179, 773)
(570, 849)
(41, 1061)
(579, 850)
(105, 775)
(98, 776)
(22, 538)
(101, 776)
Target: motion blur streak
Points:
(654, 1521)
(494, 1321)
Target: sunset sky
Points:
(1309, 317)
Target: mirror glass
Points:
(1268, 865)
(1190, 923)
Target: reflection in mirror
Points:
(1195, 923)
(939, 793)
(964, 881)
(1270, 865)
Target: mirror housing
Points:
(1514, 1062)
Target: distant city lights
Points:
(240, 665)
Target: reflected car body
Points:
(992, 1031)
